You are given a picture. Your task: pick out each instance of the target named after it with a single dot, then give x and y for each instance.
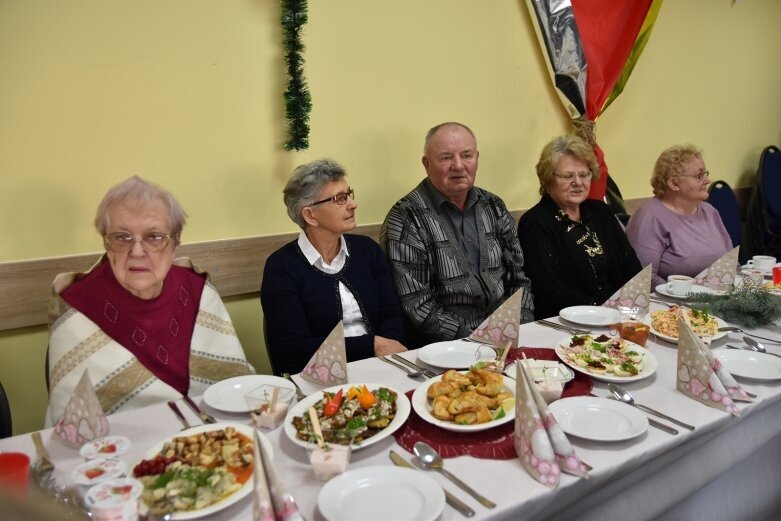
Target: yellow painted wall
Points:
(187, 93)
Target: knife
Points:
(412, 365)
(452, 500)
(205, 418)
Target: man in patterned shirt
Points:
(453, 248)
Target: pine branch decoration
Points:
(750, 305)
(298, 101)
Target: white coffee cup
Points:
(679, 285)
(762, 262)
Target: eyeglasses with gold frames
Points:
(123, 242)
(340, 198)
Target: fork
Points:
(733, 329)
(410, 372)
(43, 463)
(299, 393)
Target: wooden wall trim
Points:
(235, 267)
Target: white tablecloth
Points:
(728, 468)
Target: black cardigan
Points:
(559, 269)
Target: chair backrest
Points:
(723, 199)
(770, 177)
(615, 201)
(6, 429)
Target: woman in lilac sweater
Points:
(677, 231)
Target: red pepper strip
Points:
(331, 405)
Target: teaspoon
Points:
(431, 459)
(757, 346)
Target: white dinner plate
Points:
(674, 340)
(381, 493)
(598, 419)
(245, 489)
(402, 413)
(454, 354)
(422, 406)
(590, 315)
(748, 364)
(228, 395)
(648, 357)
(696, 288)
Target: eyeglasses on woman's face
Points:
(698, 176)
(123, 242)
(569, 177)
(340, 198)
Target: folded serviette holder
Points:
(540, 442)
(328, 366)
(701, 375)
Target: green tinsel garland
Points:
(298, 101)
(748, 304)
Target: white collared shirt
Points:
(351, 313)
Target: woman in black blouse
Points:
(576, 251)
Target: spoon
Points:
(757, 346)
(431, 459)
(623, 396)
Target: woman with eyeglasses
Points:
(327, 275)
(677, 231)
(145, 328)
(575, 249)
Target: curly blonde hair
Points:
(671, 163)
(559, 147)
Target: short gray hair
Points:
(138, 190)
(433, 130)
(306, 183)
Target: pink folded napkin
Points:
(701, 375)
(328, 366)
(83, 419)
(540, 442)
(503, 324)
(634, 294)
(271, 500)
(721, 274)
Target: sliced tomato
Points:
(332, 404)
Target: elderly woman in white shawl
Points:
(146, 328)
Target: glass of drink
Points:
(631, 327)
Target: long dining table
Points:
(728, 468)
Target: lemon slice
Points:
(507, 405)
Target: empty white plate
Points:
(228, 395)
(381, 493)
(454, 354)
(590, 315)
(598, 419)
(748, 364)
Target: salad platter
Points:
(606, 358)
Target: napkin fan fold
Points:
(720, 274)
(540, 442)
(328, 366)
(83, 419)
(633, 294)
(503, 324)
(701, 375)
(271, 500)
